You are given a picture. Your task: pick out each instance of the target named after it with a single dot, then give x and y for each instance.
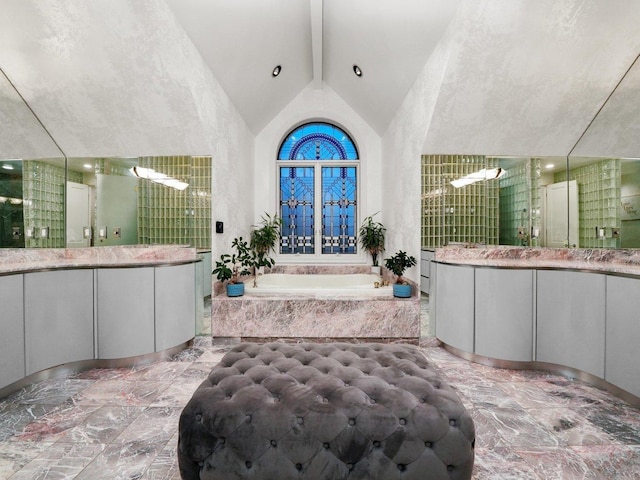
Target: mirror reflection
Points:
(546, 202)
(108, 201)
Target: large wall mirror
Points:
(582, 202)
(82, 202)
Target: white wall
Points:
(121, 78)
(319, 104)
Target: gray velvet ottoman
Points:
(330, 411)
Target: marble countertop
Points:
(33, 259)
(622, 262)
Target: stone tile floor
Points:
(122, 423)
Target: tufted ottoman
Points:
(324, 412)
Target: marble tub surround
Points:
(30, 259)
(307, 317)
(121, 423)
(316, 315)
(623, 261)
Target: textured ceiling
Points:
(315, 42)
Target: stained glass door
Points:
(339, 209)
(297, 197)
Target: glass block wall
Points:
(170, 216)
(43, 183)
(458, 215)
(598, 201)
(520, 203)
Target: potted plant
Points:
(264, 238)
(232, 266)
(398, 264)
(372, 239)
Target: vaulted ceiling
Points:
(315, 42)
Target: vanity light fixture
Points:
(357, 71)
(157, 177)
(276, 71)
(478, 176)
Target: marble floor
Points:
(122, 423)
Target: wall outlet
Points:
(116, 232)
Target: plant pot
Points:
(401, 290)
(375, 269)
(235, 289)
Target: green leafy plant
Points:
(232, 266)
(398, 263)
(372, 237)
(264, 238)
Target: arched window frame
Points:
(325, 157)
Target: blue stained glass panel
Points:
(318, 141)
(296, 209)
(339, 201)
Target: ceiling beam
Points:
(316, 42)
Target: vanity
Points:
(570, 311)
(71, 309)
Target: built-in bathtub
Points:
(316, 302)
(319, 285)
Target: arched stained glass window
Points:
(318, 141)
(318, 166)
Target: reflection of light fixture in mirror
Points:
(7, 166)
(549, 166)
(12, 201)
(157, 177)
(478, 176)
(88, 166)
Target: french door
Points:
(318, 207)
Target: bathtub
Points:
(318, 285)
(316, 302)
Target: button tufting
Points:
(248, 464)
(428, 444)
(452, 422)
(300, 420)
(326, 445)
(198, 417)
(450, 468)
(274, 443)
(298, 466)
(403, 421)
(376, 444)
(402, 467)
(352, 421)
(248, 418)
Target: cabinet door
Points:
(571, 319)
(454, 307)
(12, 324)
(504, 314)
(623, 333)
(125, 312)
(175, 305)
(58, 318)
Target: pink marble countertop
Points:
(623, 261)
(32, 259)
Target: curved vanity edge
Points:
(571, 373)
(94, 265)
(80, 366)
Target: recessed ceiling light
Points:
(276, 71)
(357, 71)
